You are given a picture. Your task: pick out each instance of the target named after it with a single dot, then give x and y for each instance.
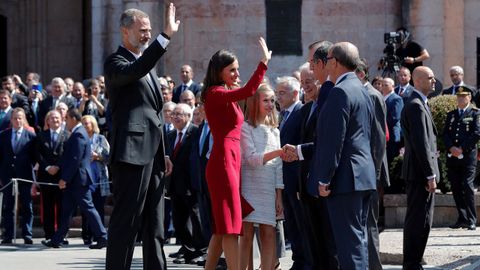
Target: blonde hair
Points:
(93, 121)
(252, 108)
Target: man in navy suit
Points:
(404, 88)
(419, 169)
(394, 105)
(287, 91)
(17, 158)
(5, 109)
(76, 181)
(56, 96)
(344, 170)
(456, 76)
(186, 74)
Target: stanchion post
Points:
(15, 194)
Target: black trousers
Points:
(187, 224)
(52, 207)
(374, 262)
(138, 199)
(418, 222)
(461, 174)
(320, 235)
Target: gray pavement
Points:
(447, 249)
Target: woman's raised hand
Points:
(267, 55)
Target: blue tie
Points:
(312, 111)
(284, 115)
(2, 115)
(203, 136)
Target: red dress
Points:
(225, 119)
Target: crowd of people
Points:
(309, 154)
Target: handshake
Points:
(289, 153)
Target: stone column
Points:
(453, 36)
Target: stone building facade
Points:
(72, 38)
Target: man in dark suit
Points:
(5, 109)
(76, 179)
(461, 135)
(343, 166)
(287, 92)
(317, 221)
(186, 74)
(17, 158)
(420, 168)
(404, 88)
(378, 142)
(50, 103)
(456, 75)
(394, 105)
(50, 149)
(185, 208)
(18, 98)
(137, 155)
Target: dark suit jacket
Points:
(17, 163)
(343, 156)
(379, 139)
(181, 179)
(307, 135)
(419, 132)
(5, 122)
(136, 106)
(49, 155)
(177, 91)
(47, 105)
(394, 105)
(20, 101)
(290, 134)
(308, 148)
(75, 161)
(406, 94)
(198, 159)
(475, 94)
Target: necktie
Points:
(284, 115)
(177, 146)
(2, 115)
(16, 139)
(401, 91)
(455, 88)
(202, 138)
(461, 112)
(184, 87)
(54, 138)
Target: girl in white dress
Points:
(262, 179)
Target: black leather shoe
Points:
(471, 227)
(458, 225)
(179, 254)
(6, 241)
(179, 260)
(87, 242)
(65, 242)
(99, 245)
(196, 260)
(27, 241)
(50, 244)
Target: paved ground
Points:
(447, 249)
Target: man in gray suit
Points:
(420, 168)
(344, 170)
(378, 142)
(137, 157)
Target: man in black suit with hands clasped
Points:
(138, 160)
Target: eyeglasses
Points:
(176, 114)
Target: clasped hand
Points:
(289, 153)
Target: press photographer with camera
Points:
(410, 53)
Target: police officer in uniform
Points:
(461, 134)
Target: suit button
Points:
(14, 157)
(13, 165)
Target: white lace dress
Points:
(259, 180)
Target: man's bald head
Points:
(424, 79)
(346, 54)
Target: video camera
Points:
(392, 38)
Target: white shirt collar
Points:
(184, 130)
(290, 109)
(76, 127)
(404, 86)
(388, 95)
(188, 83)
(7, 109)
(58, 130)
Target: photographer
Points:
(410, 52)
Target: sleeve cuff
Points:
(431, 178)
(163, 40)
(299, 152)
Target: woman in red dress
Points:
(225, 119)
